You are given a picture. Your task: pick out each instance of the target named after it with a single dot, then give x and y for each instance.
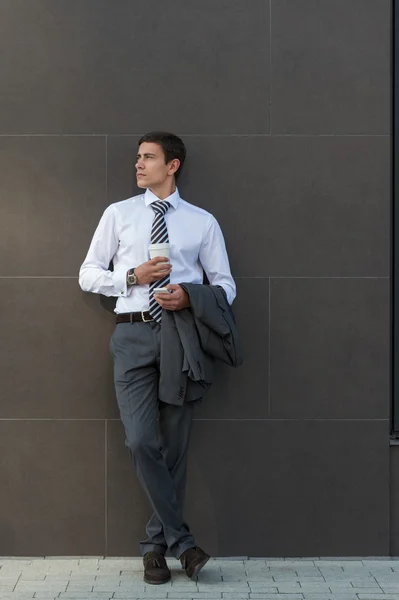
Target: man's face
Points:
(151, 170)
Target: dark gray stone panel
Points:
(94, 66)
(290, 488)
(56, 361)
(53, 493)
(394, 500)
(287, 206)
(331, 66)
(330, 348)
(269, 488)
(52, 193)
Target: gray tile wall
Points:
(284, 107)
(394, 501)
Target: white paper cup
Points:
(159, 250)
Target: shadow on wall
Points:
(99, 304)
(108, 303)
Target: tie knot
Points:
(160, 207)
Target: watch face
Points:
(132, 278)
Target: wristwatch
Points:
(131, 277)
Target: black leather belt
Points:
(134, 317)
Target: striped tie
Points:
(159, 235)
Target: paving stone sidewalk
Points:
(224, 579)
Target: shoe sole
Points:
(198, 567)
(156, 582)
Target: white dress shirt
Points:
(124, 234)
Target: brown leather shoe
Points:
(192, 561)
(156, 570)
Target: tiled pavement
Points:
(224, 579)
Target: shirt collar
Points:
(174, 198)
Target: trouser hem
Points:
(183, 548)
(152, 548)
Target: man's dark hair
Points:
(171, 145)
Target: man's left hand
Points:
(177, 300)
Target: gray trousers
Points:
(157, 434)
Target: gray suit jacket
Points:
(191, 339)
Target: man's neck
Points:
(164, 191)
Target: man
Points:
(196, 244)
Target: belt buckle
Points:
(144, 319)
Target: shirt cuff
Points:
(120, 284)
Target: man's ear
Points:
(174, 165)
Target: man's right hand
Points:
(153, 270)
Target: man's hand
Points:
(176, 301)
(153, 270)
